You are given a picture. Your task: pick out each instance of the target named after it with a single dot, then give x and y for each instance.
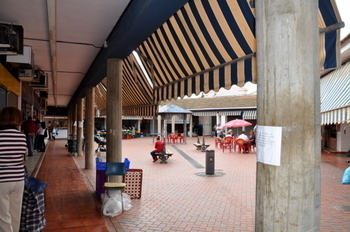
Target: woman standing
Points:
(12, 150)
(41, 137)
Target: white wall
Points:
(343, 137)
(207, 127)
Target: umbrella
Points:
(237, 123)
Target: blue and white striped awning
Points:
(230, 113)
(217, 113)
(249, 114)
(204, 113)
(205, 45)
(335, 96)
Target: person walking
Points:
(41, 137)
(36, 140)
(12, 151)
(29, 129)
(50, 128)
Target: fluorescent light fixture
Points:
(137, 57)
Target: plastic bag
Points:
(112, 205)
(34, 184)
(346, 176)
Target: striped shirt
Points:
(12, 150)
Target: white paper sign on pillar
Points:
(81, 123)
(268, 144)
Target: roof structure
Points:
(188, 46)
(171, 108)
(214, 103)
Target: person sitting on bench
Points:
(159, 147)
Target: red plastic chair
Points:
(180, 138)
(169, 138)
(243, 147)
(227, 143)
(174, 137)
(218, 142)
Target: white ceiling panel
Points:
(75, 58)
(81, 28)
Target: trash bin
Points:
(72, 145)
(100, 176)
(210, 162)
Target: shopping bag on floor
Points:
(112, 204)
(346, 176)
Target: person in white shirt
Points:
(243, 136)
(218, 130)
(229, 133)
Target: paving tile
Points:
(176, 196)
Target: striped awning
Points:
(335, 96)
(217, 113)
(204, 46)
(249, 114)
(230, 113)
(204, 113)
(137, 95)
(207, 45)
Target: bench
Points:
(163, 156)
(201, 146)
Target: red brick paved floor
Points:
(176, 196)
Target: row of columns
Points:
(287, 196)
(114, 119)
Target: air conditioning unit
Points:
(25, 61)
(37, 75)
(11, 39)
(43, 94)
(39, 81)
(26, 74)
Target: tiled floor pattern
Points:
(176, 196)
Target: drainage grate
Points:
(188, 158)
(216, 174)
(344, 208)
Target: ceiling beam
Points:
(51, 13)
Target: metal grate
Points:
(344, 208)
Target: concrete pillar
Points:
(69, 121)
(185, 127)
(114, 112)
(89, 127)
(139, 125)
(159, 120)
(191, 126)
(80, 139)
(173, 124)
(165, 132)
(288, 196)
(222, 122)
(75, 124)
